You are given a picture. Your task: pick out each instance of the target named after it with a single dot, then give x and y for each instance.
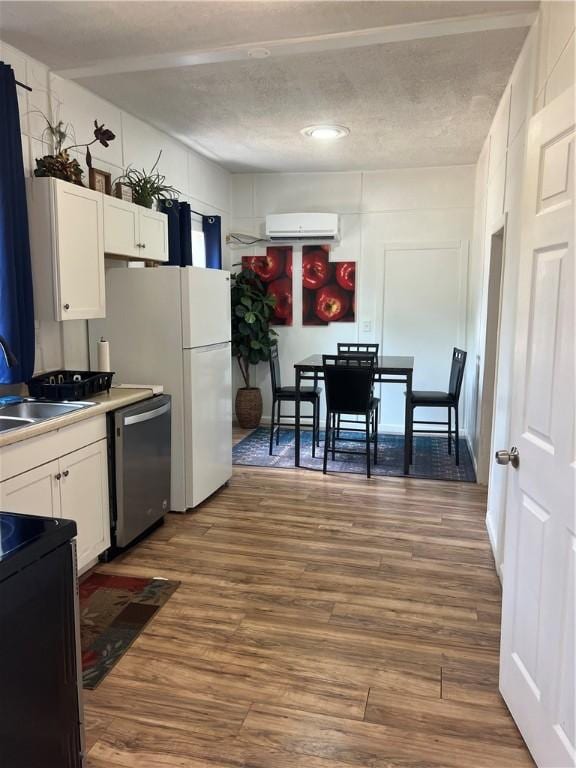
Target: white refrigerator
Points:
(171, 326)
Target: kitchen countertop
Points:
(107, 401)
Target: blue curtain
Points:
(212, 227)
(16, 298)
(179, 232)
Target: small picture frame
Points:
(100, 181)
(123, 191)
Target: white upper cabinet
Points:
(67, 248)
(121, 228)
(134, 232)
(153, 235)
(71, 230)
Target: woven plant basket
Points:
(249, 407)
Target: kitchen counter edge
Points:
(107, 401)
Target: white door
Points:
(121, 228)
(79, 281)
(84, 499)
(205, 306)
(409, 312)
(153, 235)
(36, 492)
(208, 420)
(537, 673)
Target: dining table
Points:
(388, 369)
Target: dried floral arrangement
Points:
(60, 165)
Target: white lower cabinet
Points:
(73, 486)
(36, 492)
(84, 499)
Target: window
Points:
(198, 244)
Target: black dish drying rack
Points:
(70, 385)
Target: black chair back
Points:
(457, 373)
(354, 350)
(275, 368)
(348, 383)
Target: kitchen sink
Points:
(11, 423)
(16, 415)
(38, 410)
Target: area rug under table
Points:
(113, 612)
(431, 458)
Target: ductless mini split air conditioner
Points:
(303, 227)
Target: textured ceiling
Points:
(412, 103)
(68, 34)
(425, 102)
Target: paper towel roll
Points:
(103, 355)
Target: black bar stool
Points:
(282, 394)
(449, 400)
(349, 384)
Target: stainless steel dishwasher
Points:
(140, 451)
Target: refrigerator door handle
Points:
(211, 347)
(147, 415)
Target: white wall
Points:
(203, 183)
(545, 68)
(408, 231)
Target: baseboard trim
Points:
(493, 543)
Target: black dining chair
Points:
(282, 394)
(448, 400)
(349, 382)
(354, 349)
(344, 348)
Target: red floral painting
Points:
(328, 287)
(275, 271)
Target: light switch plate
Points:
(366, 326)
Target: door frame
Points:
(490, 359)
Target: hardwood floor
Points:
(322, 622)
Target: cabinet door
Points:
(84, 498)
(79, 252)
(121, 228)
(153, 235)
(36, 492)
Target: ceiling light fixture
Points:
(325, 132)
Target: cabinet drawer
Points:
(23, 456)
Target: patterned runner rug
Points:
(113, 612)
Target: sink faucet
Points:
(9, 356)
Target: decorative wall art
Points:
(328, 287)
(275, 271)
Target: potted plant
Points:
(252, 338)
(60, 165)
(147, 186)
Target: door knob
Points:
(66, 306)
(66, 473)
(508, 457)
(57, 476)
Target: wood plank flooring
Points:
(322, 622)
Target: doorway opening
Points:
(486, 405)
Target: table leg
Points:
(408, 425)
(297, 420)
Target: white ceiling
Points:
(415, 102)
